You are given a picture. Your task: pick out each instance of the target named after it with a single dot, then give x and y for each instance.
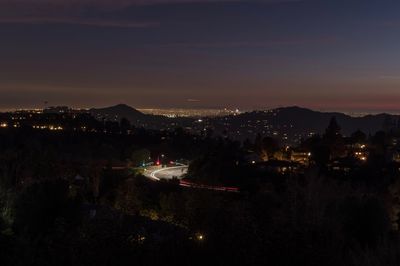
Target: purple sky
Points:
(324, 54)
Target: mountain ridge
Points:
(117, 112)
(293, 121)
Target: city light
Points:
(196, 132)
(55, 128)
(200, 237)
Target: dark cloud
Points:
(79, 21)
(256, 44)
(87, 12)
(114, 3)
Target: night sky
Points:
(322, 54)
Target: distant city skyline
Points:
(212, 111)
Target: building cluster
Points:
(298, 151)
(331, 151)
(249, 126)
(187, 112)
(52, 119)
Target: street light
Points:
(200, 237)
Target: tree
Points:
(270, 146)
(139, 157)
(358, 137)
(332, 132)
(125, 126)
(41, 205)
(333, 139)
(219, 164)
(365, 220)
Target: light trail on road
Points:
(157, 173)
(167, 172)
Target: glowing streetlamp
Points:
(200, 237)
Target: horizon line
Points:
(353, 113)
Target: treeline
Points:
(58, 207)
(306, 220)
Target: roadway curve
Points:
(157, 172)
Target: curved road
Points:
(157, 172)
